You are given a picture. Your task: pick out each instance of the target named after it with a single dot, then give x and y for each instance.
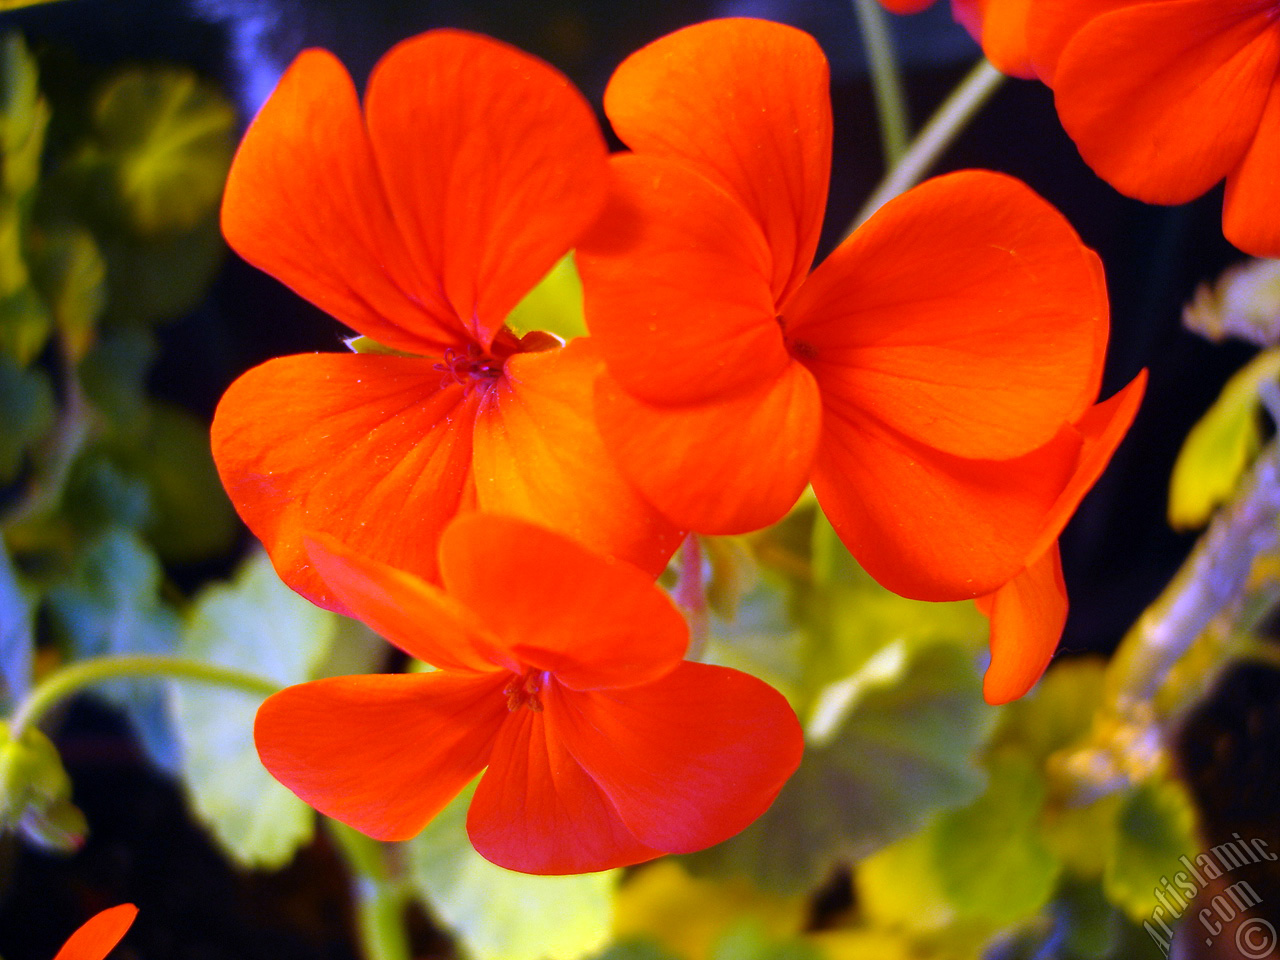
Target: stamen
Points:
(523, 691)
(467, 368)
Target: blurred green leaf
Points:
(168, 138)
(992, 863)
(554, 305)
(24, 115)
(746, 941)
(26, 413)
(1155, 826)
(500, 915)
(111, 605)
(634, 949)
(113, 375)
(1219, 448)
(99, 495)
(71, 275)
(1058, 712)
(158, 278)
(902, 747)
(190, 517)
(256, 624)
(1093, 926)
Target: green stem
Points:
(380, 898)
(936, 136)
(65, 681)
(886, 81)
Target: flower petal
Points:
(493, 164)
(536, 810)
(749, 102)
(905, 6)
(1100, 432)
(1001, 27)
(340, 444)
(675, 283)
(719, 467)
(688, 760)
(966, 314)
(1164, 98)
(1052, 23)
(419, 618)
(383, 753)
(304, 203)
(589, 619)
(1253, 190)
(539, 456)
(99, 934)
(929, 525)
(1027, 617)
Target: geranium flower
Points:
(1028, 613)
(1165, 98)
(99, 935)
(602, 747)
(916, 378)
(998, 25)
(473, 169)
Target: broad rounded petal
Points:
(539, 456)
(1253, 189)
(929, 525)
(720, 467)
(419, 618)
(99, 934)
(966, 314)
(1100, 432)
(589, 619)
(688, 760)
(1003, 33)
(304, 203)
(675, 286)
(1052, 23)
(906, 6)
(382, 753)
(341, 444)
(492, 162)
(1163, 99)
(748, 101)
(1027, 617)
(536, 810)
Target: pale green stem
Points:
(380, 898)
(691, 595)
(886, 81)
(936, 136)
(68, 680)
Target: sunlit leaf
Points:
(26, 413)
(111, 605)
(902, 747)
(690, 915)
(1082, 836)
(1155, 827)
(901, 887)
(258, 625)
(554, 305)
(1219, 448)
(24, 115)
(992, 863)
(35, 792)
(168, 137)
(634, 949)
(501, 915)
(72, 276)
(1058, 712)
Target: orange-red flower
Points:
(998, 25)
(1165, 98)
(917, 377)
(603, 747)
(421, 223)
(100, 933)
(1028, 613)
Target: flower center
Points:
(523, 690)
(468, 368)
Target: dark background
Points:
(1118, 552)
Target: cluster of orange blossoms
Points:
(1164, 98)
(499, 506)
